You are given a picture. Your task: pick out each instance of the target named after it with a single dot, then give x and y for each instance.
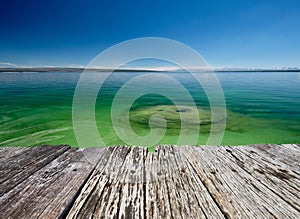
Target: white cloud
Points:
(157, 68)
(7, 64)
(76, 66)
(160, 68)
(12, 65)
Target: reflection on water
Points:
(36, 108)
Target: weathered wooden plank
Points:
(288, 154)
(106, 188)
(7, 152)
(49, 192)
(94, 186)
(183, 182)
(238, 192)
(127, 200)
(277, 176)
(188, 197)
(20, 166)
(156, 187)
(137, 184)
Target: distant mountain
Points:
(283, 69)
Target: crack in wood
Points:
(255, 181)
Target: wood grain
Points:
(48, 192)
(25, 162)
(254, 181)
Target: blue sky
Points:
(227, 33)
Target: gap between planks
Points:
(260, 181)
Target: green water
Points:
(36, 108)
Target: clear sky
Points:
(227, 33)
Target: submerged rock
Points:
(189, 116)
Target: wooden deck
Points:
(255, 181)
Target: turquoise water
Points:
(36, 108)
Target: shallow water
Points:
(36, 108)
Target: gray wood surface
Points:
(21, 163)
(49, 191)
(254, 181)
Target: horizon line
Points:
(10, 65)
(145, 69)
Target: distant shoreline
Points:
(129, 70)
(70, 70)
